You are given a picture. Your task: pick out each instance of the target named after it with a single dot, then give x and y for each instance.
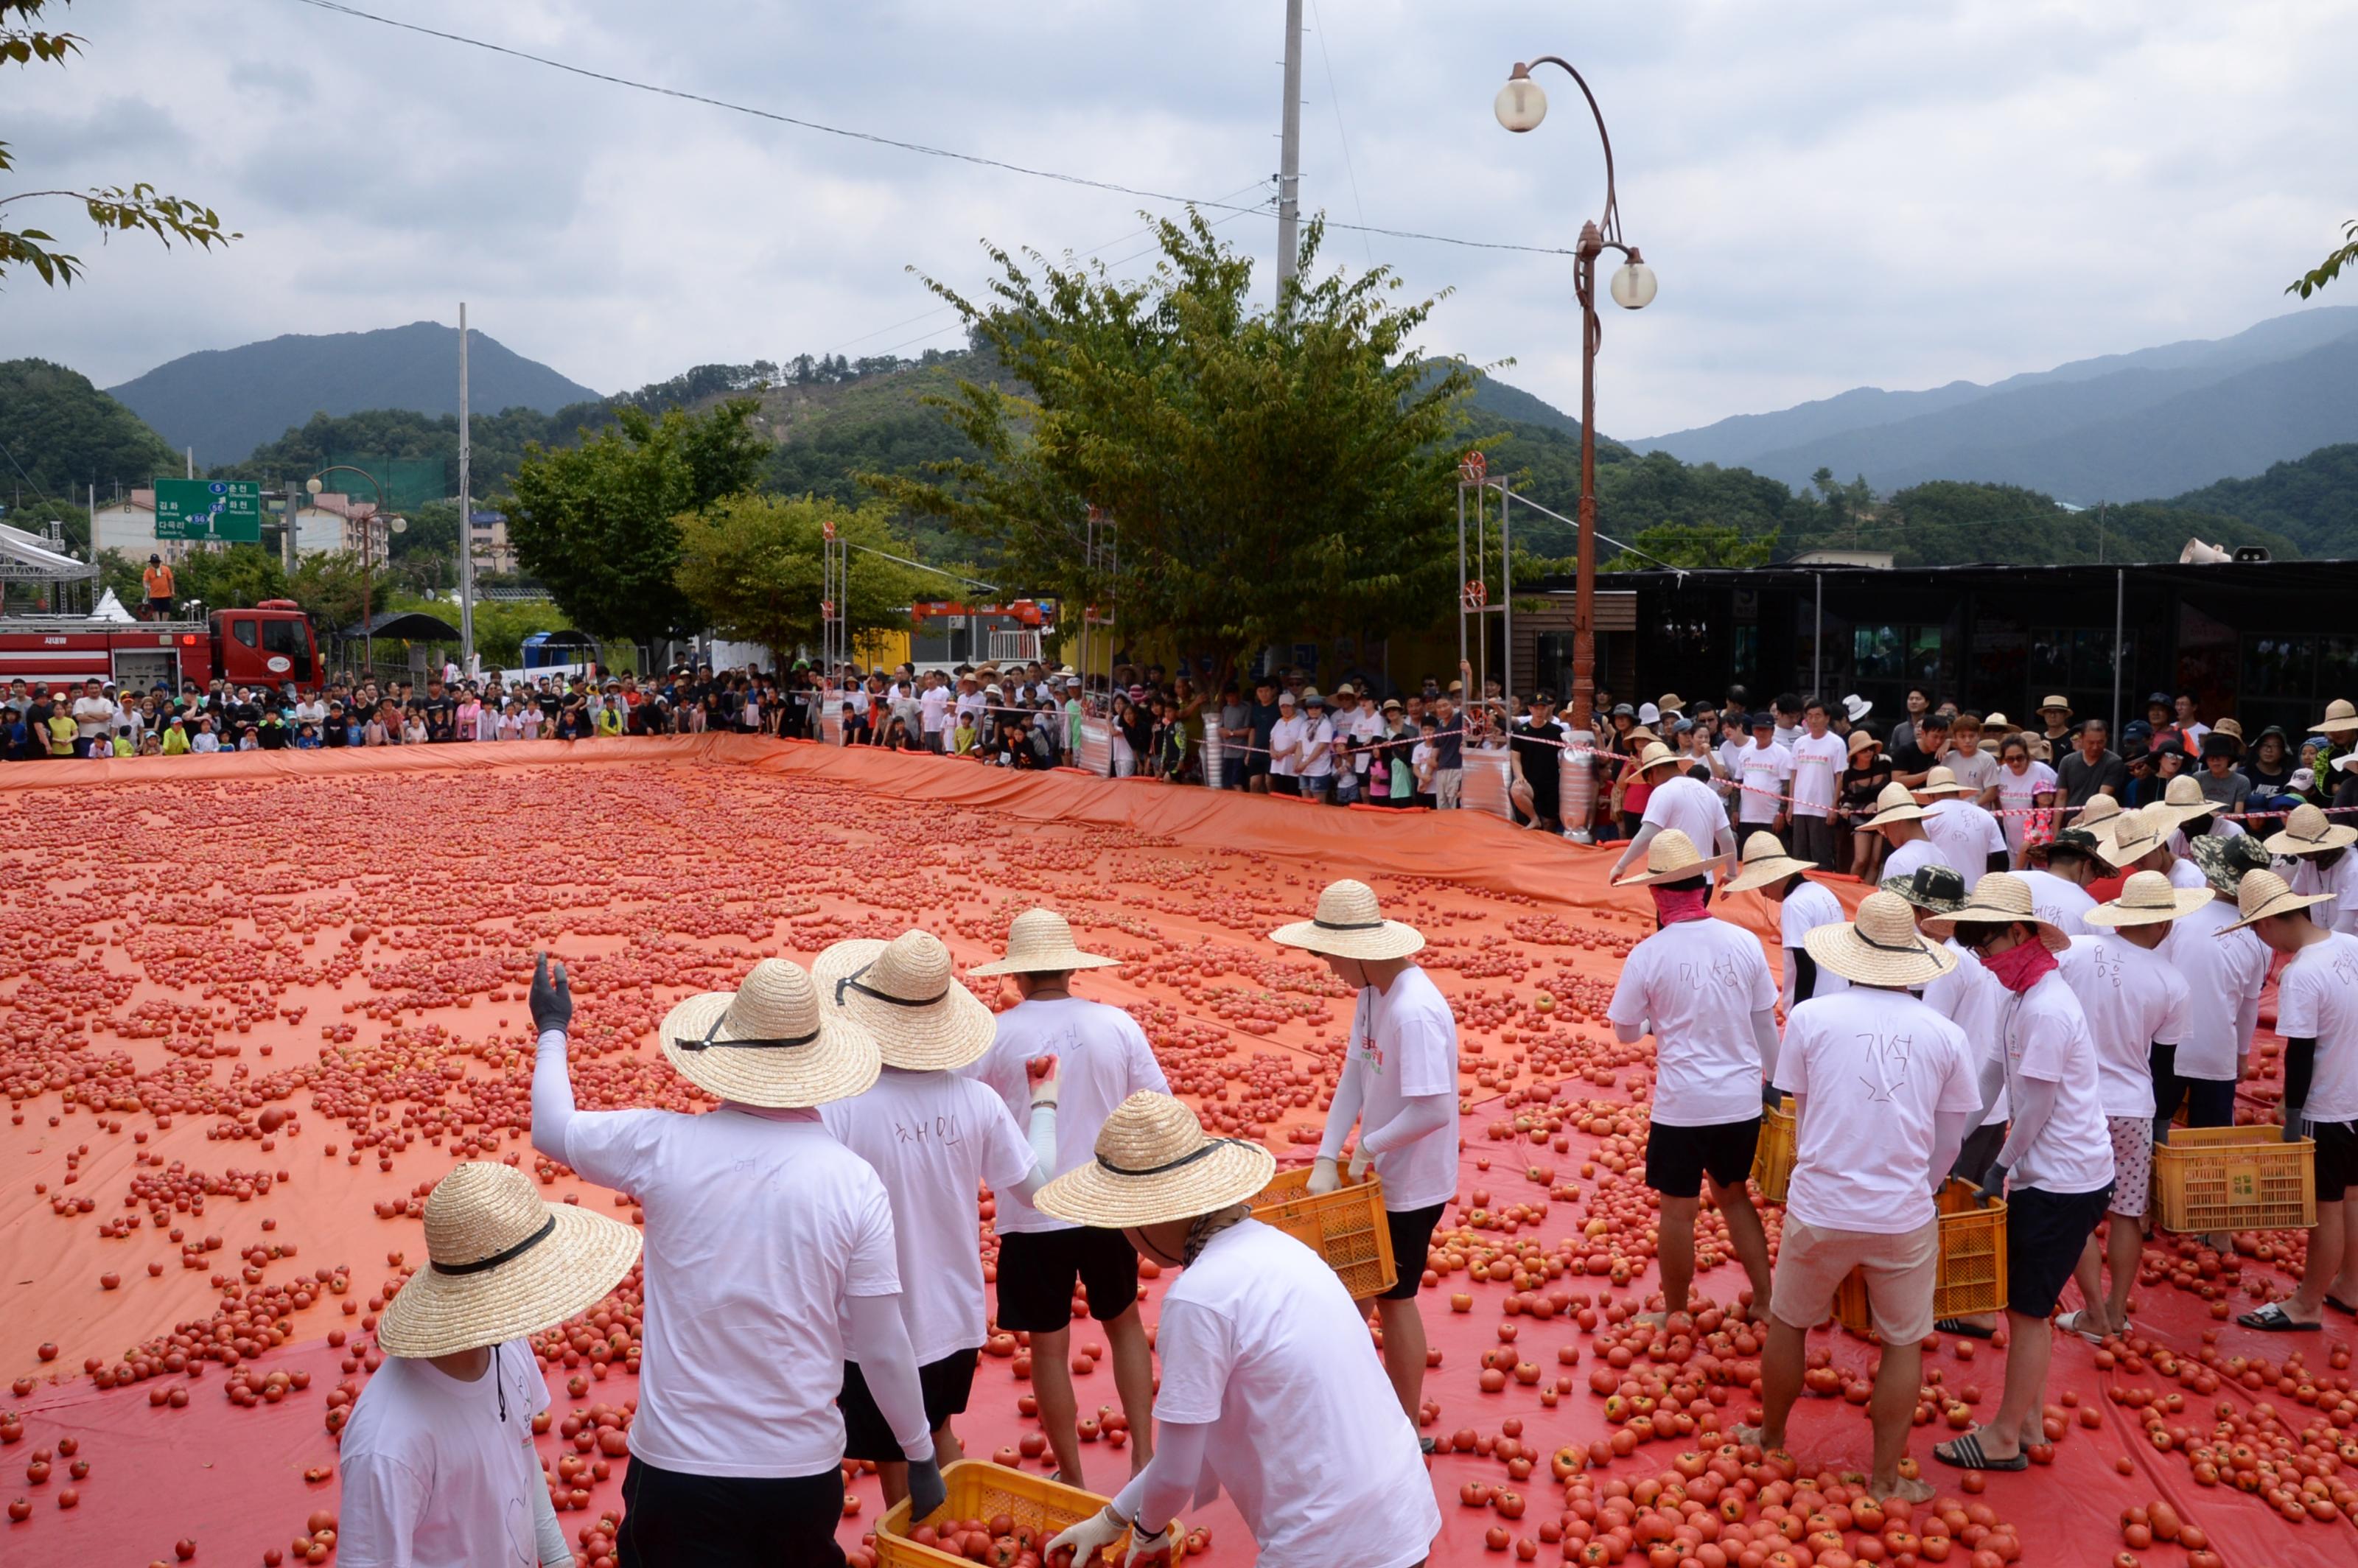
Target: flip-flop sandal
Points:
(1958, 1325)
(2273, 1319)
(2344, 1308)
(2070, 1323)
(1428, 1446)
(1965, 1454)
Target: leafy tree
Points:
(67, 434)
(1693, 544)
(596, 523)
(1272, 474)
(113, 207)
(2313, 500)
(35, 517)
(2329, 269)
(752, 565)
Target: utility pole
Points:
(1289, 172)
(466, 513)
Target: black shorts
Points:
(2045, 1234)
(1678, 1157)
(2337, 1159)
(1037, 1268)
(866, 1435)
(1412, 1231)
(721, 1521)
(1285, 783)
(161, 607)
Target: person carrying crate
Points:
(1268, 1389)
(1400, 1087)
(1884, 1090)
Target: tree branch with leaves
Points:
(2329, 269)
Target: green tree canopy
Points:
(1272, 473)
(597, 524)
(68, 434)
(751, 564)
(1693, 544)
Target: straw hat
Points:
(769, 1042)
(2137, 834)
(2306, 832)
(1656, 756)
(2054, 704)
(1671, 702)
(2099, 816)
(1670, 856)
(2147, 899)
(1040, 941)
(2183, 799)
(2000, 898)
(1154, 1164)
(2264, 894)
(1640, 737)
(1998, 724)
(2224, 862)
(1860, 741)
(1942, 781)
(1895, 805)
(1349, 924)
(1881, 948)
(1941, 889)
(905, 992)
(1763, 864)
(2340, 718)
(2231, 728)
(503, 1264)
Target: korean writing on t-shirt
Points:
(944, 1129)
(1886, 1054)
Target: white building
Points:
(325, 523)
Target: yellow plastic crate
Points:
(2233, 1178)
(981, 1489)
(1772, 1159)
(1346, 1227)
(1970, 1277)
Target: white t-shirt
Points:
(2061, 902)
(2224, 972)
(1730, 756)
(1317, 734)
(432, 1477)
(933, 1137)
(972, 705)
(1405, 1044)
(2132, 999)
(935, 703)
(1818, 764)
(1903, 861)
(1806, 908)
(94, 715)
(1977, 769)
(1967, 997)
(1102, 1059)
(2316, 999)
(1786, 734)
(1697, 984)
(1967, 835)
(2019, 793)
(1259, 1340)
(757, 1228)
(1877, 1067)
(2305, 876)
(1762, 773)
(1284, 736)
(2186, 875)
(1422, 758)
(2047, 1038)
(1691, 807)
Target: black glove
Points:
(552, 999)
(1993, 1180)
(2295, 1125)
(1771, 1097)
(926, 1491)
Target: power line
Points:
(1335, 102)
(336, 8)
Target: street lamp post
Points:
(1521, 106)
(316, 484)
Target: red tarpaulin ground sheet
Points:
(251, 1006)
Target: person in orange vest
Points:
(157, 583)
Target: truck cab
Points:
(270, 644)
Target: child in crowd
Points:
(1423, 761)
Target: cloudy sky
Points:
(1833, 192)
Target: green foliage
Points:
(1272, 474)
(114, 209)
(2329, 269)
(2312, 500)
(121, 573)
(67, 434)
(1952, 522)
(751, 564)
(498, 443)
(595, 523)
(35, 517)
(1693, 544)
(327, 586)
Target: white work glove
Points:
(1324, 1177)
(1088, 1539)
(1360, 1161)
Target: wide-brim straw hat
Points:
(1656, 756)
(1671, 857)
(770, 1042)
(2000, 898)
(1039, 942)
(1996, 724)
(1763, 864)
(2147, 899)
(1942, 781)
(1895, 805)
(2101, 815)
(503, 1264)
(2309, 832)
(2183, 800)
(906, 994)
(1881, 948)
(2225, 862)
(2052, 703)
(1153, 1165)
(1860, 741)
(2137, 834)
(1350, 924)
(2340, 718)
(1941, 889)
(2264, 894)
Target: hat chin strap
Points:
(708, 1043)
(1211, 1146)
(851, 982)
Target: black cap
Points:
(1941, 889)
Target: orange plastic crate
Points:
(1971, 1278)
(980, 1490)
(1772, 1160)
(1346, 1227)
(2233, 1178)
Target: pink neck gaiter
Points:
(2019, 968)
(1686, 903)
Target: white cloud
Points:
(1834, 192)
